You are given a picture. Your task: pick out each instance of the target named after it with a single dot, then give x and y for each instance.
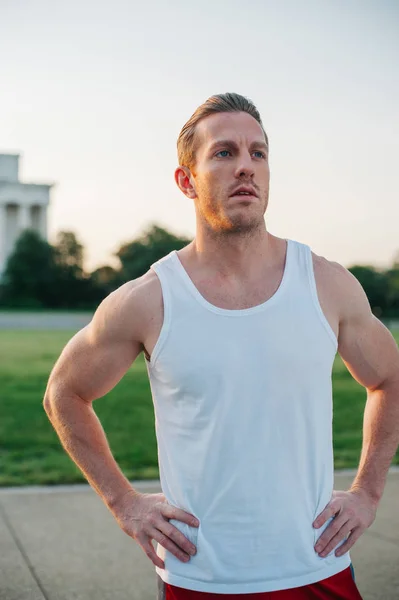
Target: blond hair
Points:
(230, 102)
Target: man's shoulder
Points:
(139, 294)
(129, 309)
(342, 287)
(329, 269)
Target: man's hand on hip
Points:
(353, 511)
(146, 516)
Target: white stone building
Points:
(22, 206)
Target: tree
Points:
(392, 276)
(375, 284)
(137, 256)
(76, 289)
(29, 274)
(69, 250)
(38, 274)
(106, 279)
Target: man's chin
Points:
(243, 226)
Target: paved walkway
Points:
(62, 543)
(44, 320)
(51, 319)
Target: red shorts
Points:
(338, 587)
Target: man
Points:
(239, 330)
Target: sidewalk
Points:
(62, 543)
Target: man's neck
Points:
(236, 258)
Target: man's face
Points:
(231, 151)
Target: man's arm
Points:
(371, 354)
(90, 365)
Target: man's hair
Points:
(219, 103)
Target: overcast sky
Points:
(93, 94)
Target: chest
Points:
(263, 361)
(238, 298)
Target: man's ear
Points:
(184, 180)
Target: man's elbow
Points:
(60, 400)
(51, 397)
(48, 404)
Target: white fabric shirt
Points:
(243, 417)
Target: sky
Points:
(93, 95)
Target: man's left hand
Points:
(353, 511)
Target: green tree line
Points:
(45, 276)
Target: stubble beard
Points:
(220, 224)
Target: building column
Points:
(43, 222)
(3, 237)
(24, 218)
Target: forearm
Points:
(82, 436)
(380, 439)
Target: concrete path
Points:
(61, 543)
(44, 320)
(70, 320)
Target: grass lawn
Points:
(31, 453)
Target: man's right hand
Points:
(146, 516)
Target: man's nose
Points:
(244, 165)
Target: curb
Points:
(146, 483)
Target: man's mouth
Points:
(244, 195)
(245, 191)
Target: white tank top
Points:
(243, 418)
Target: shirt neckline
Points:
(235, 312)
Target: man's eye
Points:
(225, 152)
(220, 152)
